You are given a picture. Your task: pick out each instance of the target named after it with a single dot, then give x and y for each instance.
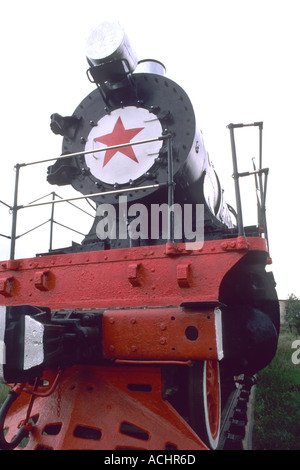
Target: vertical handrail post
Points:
(170, 189)
(14, 214)
(241, 231)
(52, 221)
(261, 187)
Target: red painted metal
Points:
(118, 407)
(161, 281)
(135, 277)
(213, 397)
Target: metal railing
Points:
(260, 174)
(57, 199)
(51, 221)
(261, 177)
(10, 208)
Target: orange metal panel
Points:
(95, 408)
(161, 334)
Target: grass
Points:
(277, 400)
(4, 389)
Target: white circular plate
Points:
(129, 124)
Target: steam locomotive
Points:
(137, 337)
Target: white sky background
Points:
(238, 61)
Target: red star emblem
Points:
(118, 136)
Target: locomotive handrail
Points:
(87, 152)
(51, 220)
(36, 203)
(102, 193)
(255, 172)
(10, 208)
(240, 225)
(5, 204)
(261, 186)
(68, 200)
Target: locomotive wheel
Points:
(205, 401)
